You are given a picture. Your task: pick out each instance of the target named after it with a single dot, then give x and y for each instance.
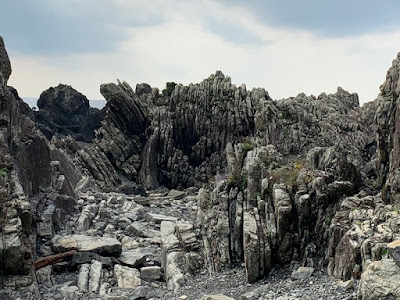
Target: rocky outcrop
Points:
(387, 118)
(380, 281)
(64, 111)
(23, 170)
(178, 138)
(35, 190)
(269, 213)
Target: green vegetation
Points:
(354, 208)
(169, 88)
(237, 181)
(384, 252)
(247, 147)
(3, 172)
(265, 159)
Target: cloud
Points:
(47, 27)
(326, 18)
(184, 48)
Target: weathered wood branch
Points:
(52, 259)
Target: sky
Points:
(285, 46)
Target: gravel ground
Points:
(278, 285)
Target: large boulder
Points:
(65, 111)
(381, 280)
(66, 106)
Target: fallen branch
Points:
(52, 259)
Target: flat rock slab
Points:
(177, 195)
(157, 219)
(100, 245)
(141, 230)
(302, 273)
(394, 250)
(134, 258)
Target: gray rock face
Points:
(24, 169)
(387, 118)
(5, 65)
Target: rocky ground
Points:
(113, 222)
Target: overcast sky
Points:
(285, 46)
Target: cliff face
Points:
(387, 118)
(26, 170)
(25, 167)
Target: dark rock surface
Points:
(65, 111)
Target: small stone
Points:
(150, 273)
(346, 285)
(69, 292)
(127, 278)
(302, 273)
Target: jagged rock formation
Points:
(178, 139)
(64, 111)
(294, 183)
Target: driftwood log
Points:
(52, 259)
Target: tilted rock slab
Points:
(100, 245)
